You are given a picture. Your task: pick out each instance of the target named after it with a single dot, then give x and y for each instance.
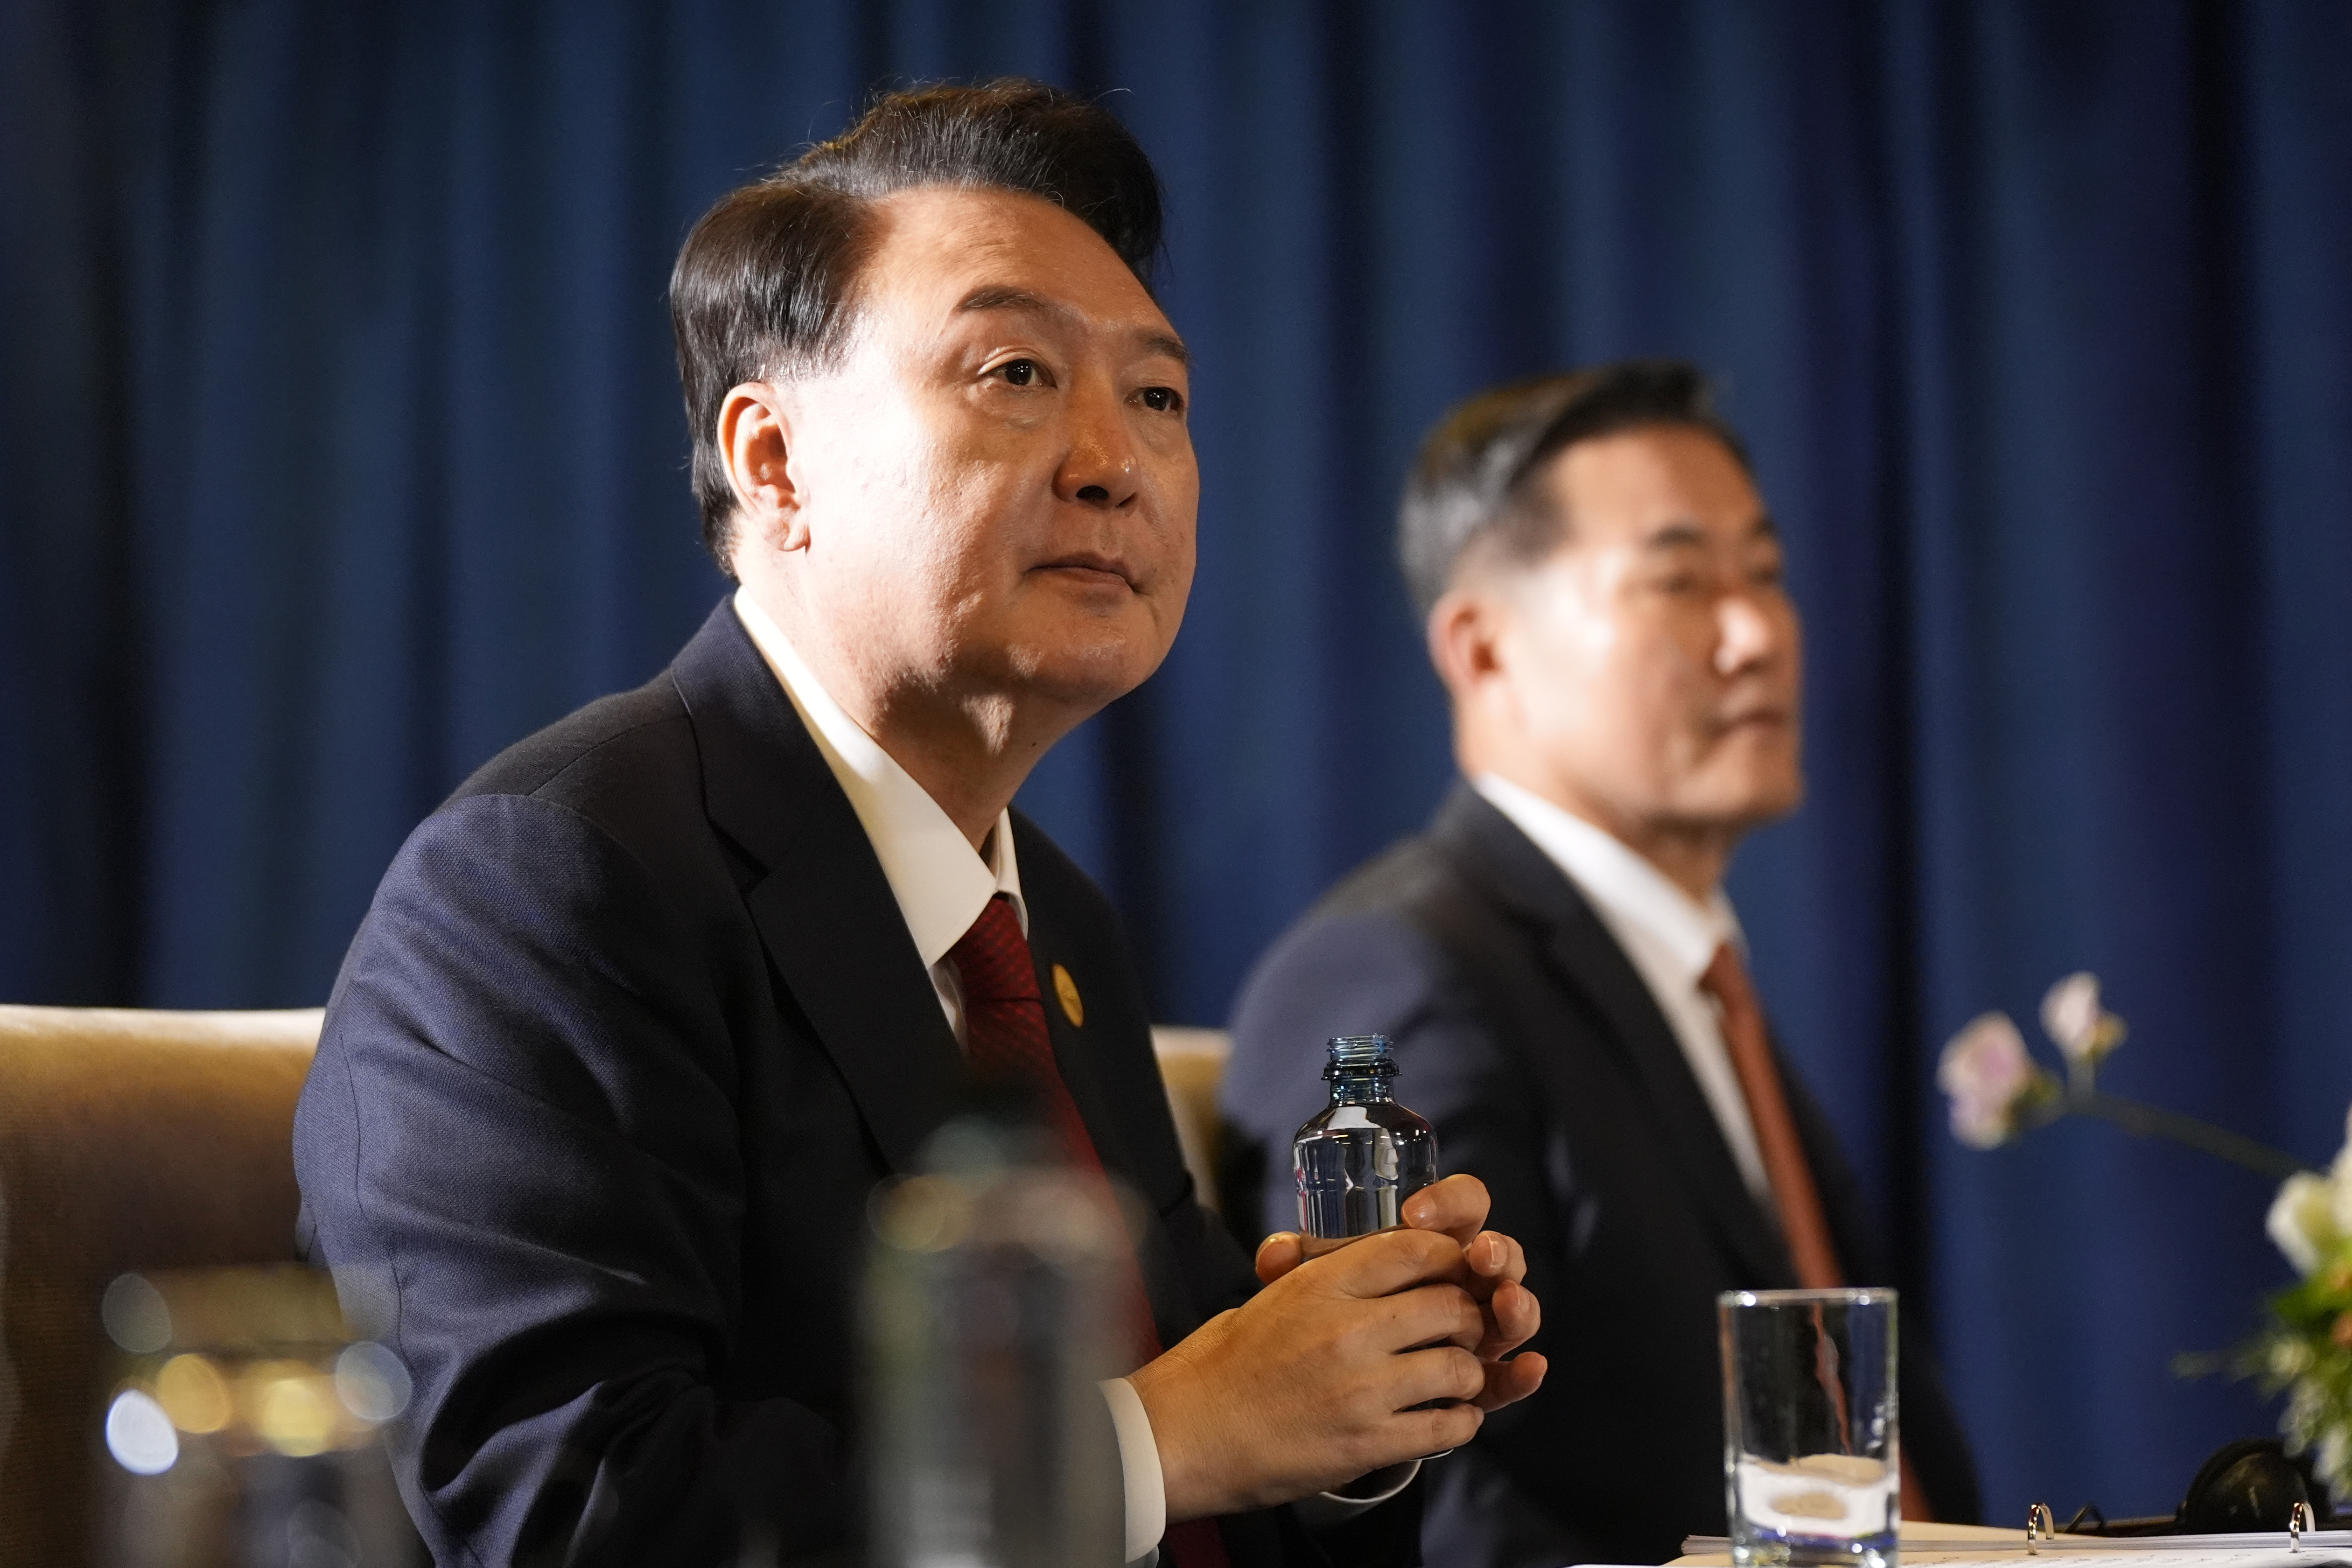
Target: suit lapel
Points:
(823, 907)
(1080, 1071)
(1586, 956)
(1084, 1052)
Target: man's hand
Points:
(1492, 1269)
(1312, 1382)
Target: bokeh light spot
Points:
(139, 1434)
(374, 1386)
(297, 1415)
(135, 1316)
(194, 1394)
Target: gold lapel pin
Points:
(1074, 1009)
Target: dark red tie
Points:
(1005, 1037)
(1803, 1220)
(1005, 1022)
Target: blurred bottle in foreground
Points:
(994, 1305)
(242, 1428)
(1360, 1160)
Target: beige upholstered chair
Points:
(1192, 1061)
(128, 1140)
(152, 1139)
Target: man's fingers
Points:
(1443, 1373)
(1388, 1261)
(1512, 1380)
(1456, 1207)
(1513, 1316)
(1493, 1255)
(1278, 1254)
(1431, 1315)
(1422, 1433)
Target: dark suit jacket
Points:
(629, 1033)
(1526, 1037)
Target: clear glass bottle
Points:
(1360, 1160)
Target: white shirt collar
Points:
(1625, 889)
(1668, 936)
(941, 883)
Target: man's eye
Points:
(1020, 373)
(1163, 399)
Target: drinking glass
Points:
(1812, 1457)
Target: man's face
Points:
(997, 481)
(1653, 659)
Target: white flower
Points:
(2313, 1213)
(2333, 1458)
(2339, 1179)
(2071, 1016)
(1987, 1073)
(2303, 1218)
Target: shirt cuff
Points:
(1138, 1462)
(1325, 1510)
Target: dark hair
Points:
(765, 284)
(1474, 481)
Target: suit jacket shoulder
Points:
(532, 763)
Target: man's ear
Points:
(755, 442)
(1465, 628)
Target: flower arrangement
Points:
(1998, 1092)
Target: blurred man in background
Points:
(1563, 978)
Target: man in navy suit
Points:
(1562, 974)
(641, 1014)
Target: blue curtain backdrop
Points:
(341, 447)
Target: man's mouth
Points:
(1753, 719)
(1085, 565)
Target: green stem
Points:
(2154, 1121)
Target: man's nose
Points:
(1099, 470)
(1747, 633)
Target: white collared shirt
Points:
(942, 884)
(1670, 937)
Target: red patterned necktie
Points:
(1794, 1194)
(1005, 1037)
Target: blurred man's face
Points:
(997, 483)
(1651, 661)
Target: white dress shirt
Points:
(1670, 937)
(942, 885)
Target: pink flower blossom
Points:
(2069, 1013)
(2071, 1016)
(1987, 1073)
